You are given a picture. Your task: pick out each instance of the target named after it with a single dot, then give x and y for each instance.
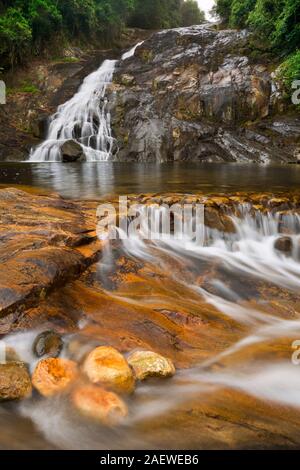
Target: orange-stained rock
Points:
(52, 376)
(99, 404)
(42, 246)
(106, 366)
(148, 364)
(15, 382)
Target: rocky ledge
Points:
(202, 94)
(45, 241)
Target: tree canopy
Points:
(28, 25)
(276, 21)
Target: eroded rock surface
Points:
(53, 375)
(44, 242)
(15, 381)
(99, 404)
(148, 364)
(107, 367)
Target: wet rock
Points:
(11, 355)
(15, 382)
(107, 367)
(148, 364)
(197, 94)
(72, 152)
(52, 376)
(127, 80)
(48, 343)
(39, 126)
(99, 404)
(284, 244)
(45, 241)
(215, 220)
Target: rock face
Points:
(99, 404)
(197, 94)
(15, 381)
(106, 366)
(52, 376)
(148, 364)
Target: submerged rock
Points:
(48, 343)
(99, 404)
(106, 366)
(11, 355)
(148, 364)
(52, 376)
(15, 382)
(71, 151)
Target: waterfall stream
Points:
(239, 263)
(85, 118)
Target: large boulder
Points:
(107, 367)
(71, 151)
(15, 382)
(99, 404)
(148, 364)
(52, 376)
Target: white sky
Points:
(206, 5)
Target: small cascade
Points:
(232, 291)
(251, 249)
(85, 118)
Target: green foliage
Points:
(290, 69)
(190, 13)
(157, 14)
(289, 72)
(15, 35)
(29, 25)
(275, 22)
(24, 88)
(240, 12)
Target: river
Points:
(94, 180)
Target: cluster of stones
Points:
(97, 387)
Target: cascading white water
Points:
(85, 118)
(248, 252)
(251, 250)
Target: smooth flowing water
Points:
(251, 291)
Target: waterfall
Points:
(85, 118)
